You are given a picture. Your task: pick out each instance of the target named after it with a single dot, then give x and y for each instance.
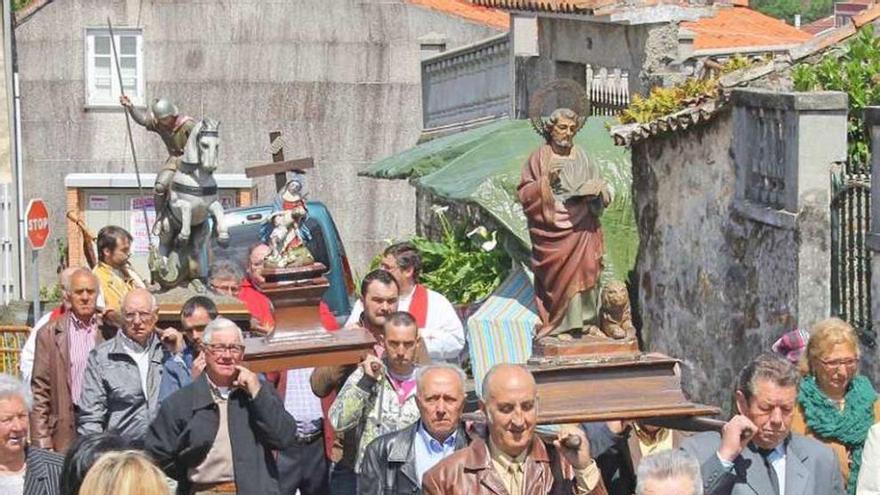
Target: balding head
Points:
(67, 273)
(80, 292)
(440, 398)
(140, 310)
(510, 403)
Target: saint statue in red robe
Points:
(563, 196)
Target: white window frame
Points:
(92, 99)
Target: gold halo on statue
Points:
(569, 94)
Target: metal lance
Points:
(137, 171)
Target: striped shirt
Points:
(81, 341)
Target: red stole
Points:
(418, 307)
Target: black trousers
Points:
(304, 467)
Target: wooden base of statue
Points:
(550, 347)
(611, 387)
(307, 349)
(299, 339)
(171, 303)
(296, 295)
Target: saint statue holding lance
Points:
(163, 118)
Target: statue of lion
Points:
(616, 316)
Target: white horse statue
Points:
(183, 227)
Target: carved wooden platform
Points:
(305, 349)
(602, 389)
(171, 302)
(296, 294)
(585, 346)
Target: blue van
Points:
(244, 230)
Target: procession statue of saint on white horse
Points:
(183, 228)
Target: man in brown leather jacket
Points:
(62, 350)
(512, 460)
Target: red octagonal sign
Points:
(37, 217)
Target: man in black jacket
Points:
(217, 434)
(394, 463)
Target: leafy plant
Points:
(663, 101)
(854, 70)
(809, 11)
(465, 266)
(51, 293)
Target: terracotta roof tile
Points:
(740, 27)
(467, 10)
(820, 26)
(866, 16)
(565, 6)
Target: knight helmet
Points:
(162, 108)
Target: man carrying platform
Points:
(439, 324)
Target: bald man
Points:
(62, 349)
(121, 387)
(513, 459)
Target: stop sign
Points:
(37, 217)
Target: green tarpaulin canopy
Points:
(483, 165)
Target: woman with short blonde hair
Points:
(836, 404)
(128, 472)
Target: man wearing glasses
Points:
(226, 279)
(121, 386)
(218, 434)
(186, 361)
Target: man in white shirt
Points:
(439, 325)
(756, 453)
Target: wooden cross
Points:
(279, 166)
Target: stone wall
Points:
(719, 279)
(340, 79)
(566, 46)
(467, 84)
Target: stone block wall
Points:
(340, 79)
(719, 277)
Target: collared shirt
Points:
(648, 445)
(80, 342)
(776, 459)
(302, 403)
(511, 470)
(429, 451)
(115, 284)
(141, 356)
(217, 466)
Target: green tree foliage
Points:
(854, 70)
(810, 10)
(19, 4)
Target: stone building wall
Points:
(340, 79)
(719, 278)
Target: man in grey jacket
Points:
(756, 453)
(394, 463)
(121, 385)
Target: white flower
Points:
(482, 231)
(490, 245)
(439, 210)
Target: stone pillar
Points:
(784, 149)
(872, 123)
